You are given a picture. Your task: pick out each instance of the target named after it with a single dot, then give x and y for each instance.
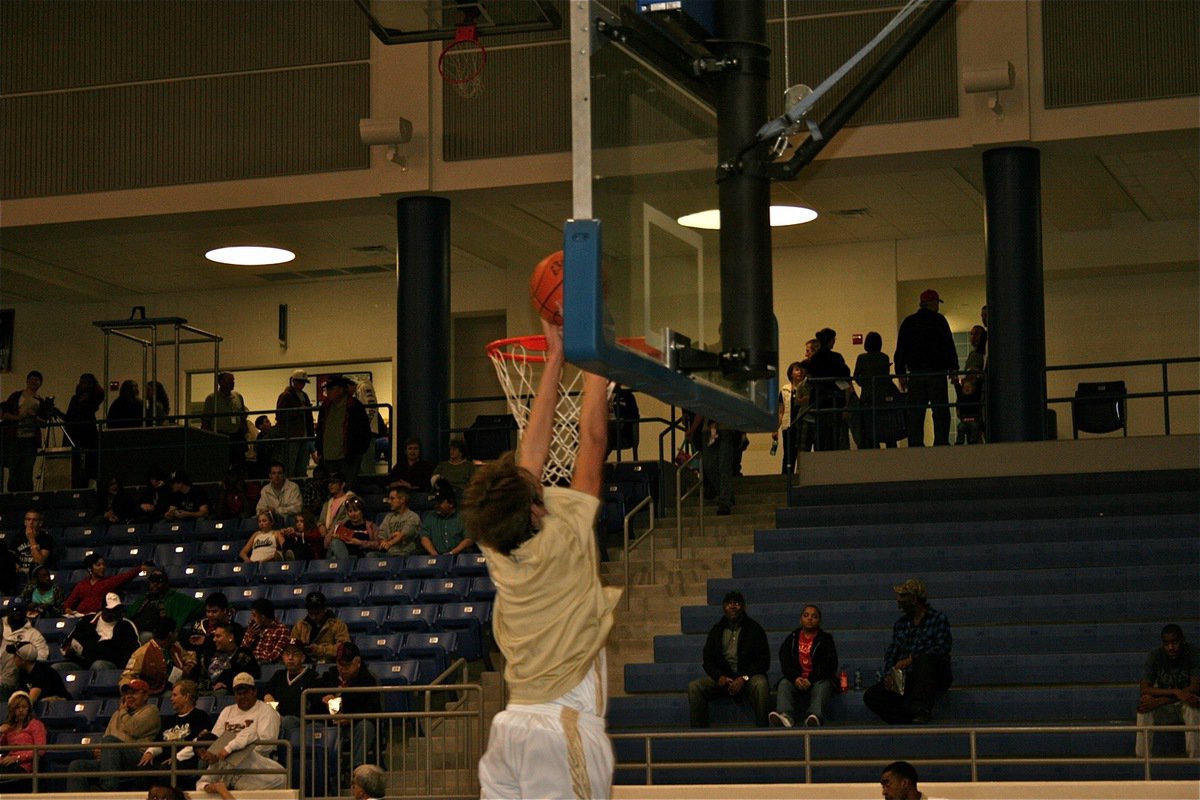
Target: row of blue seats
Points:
(866, 644)
(1029, 609)
(1000, 669)
(856, 537)
(855, 585)
(191, 567)
(1089, 553)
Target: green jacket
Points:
(181, 608)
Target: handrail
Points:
(974, 760)
(628, 547)
(173, 771)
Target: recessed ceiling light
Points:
(250, 256)
(781, 216)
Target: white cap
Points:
(112, 600)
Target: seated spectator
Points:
(216, 612)
(916, 666)
(411, 472)
(266, 543)
(355, 536)
(320, 632)
(736, 660)
(160, 661)
(251, 721)
(216, 670)
(334, 512)
(155, 497)
(88, 596)
(16, 630)
(287, 685)
(126, 411)
(809, 661)
(43, 598)
(266, 636)
(135, 721)
(187, 501)
(458, 469)
(105, 640)
(115, 506)
(358, 736)
(303, 538)
(20, 727)
(1169, 693)
(400, 531)
(185, 725)
(233, 498)
(442, 528)
(315, 490)
(280, 496)
(36, 677)
(161, 601)
(33, 547)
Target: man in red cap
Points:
(925, 354)
(135, 721)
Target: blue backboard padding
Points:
(591, 345)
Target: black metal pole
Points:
(748, 344)
(422, 380)
(1016, 381)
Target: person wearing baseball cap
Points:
(286, 686)
(294, 423)
(320, 632)
(105, 640)
(925, 356)
(35, 677)
(15, 630)
(136, 720)
(343, 429)
(359, 737)
(254, 721)
(916, 666)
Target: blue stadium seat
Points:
(396, 673)
(428, 566)
(172, 531)
(62, 517)
(482, 589)
(82, 535)
(248, 525)
(235, 574)
(189, 575)
(125, 534)
(54, 630)
(326, 571)
(370, 568)
(241, 597)
(71, 715)
(469, 565)
(445, 590)
(84, 499)
(217, 552)
(268, 672)
(216, 529)
(108, 707)
(72, 557)
(105, 683)
(378, 646)
(338, 593)
(390, 592)
(173, 553)
(468, 621)
(431, 650)
(78, 683)
(281, 571)
(292, 615)
(123, 556)
(289, 596)
(363, 619)
(58, 760)
(410, 619)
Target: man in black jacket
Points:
(809, 661)
(736, 660)
(925, 354)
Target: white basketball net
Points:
(518, 365)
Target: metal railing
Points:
(39, 777)
(628, 547)
(1166, 393)
(430, 749)
(974, 760)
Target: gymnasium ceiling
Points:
(1087, 185)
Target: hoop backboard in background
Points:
(645, 153)
(407, 21)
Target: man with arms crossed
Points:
(551, 615)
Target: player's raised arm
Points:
(593, 436)
(535, 443)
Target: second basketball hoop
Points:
(462, 61)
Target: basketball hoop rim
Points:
(534, 345)
(464, 40)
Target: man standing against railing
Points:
(225, 412)
(552, 616)
(923, 346)
(294, 423)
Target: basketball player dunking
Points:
(551, 616)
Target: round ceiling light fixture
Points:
(781, 216)
(250, 255)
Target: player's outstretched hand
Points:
(554, 339)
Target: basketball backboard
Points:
(645, 154)
(407, 21)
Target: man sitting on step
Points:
(736, 660)
(1169, 691)
(916, 667)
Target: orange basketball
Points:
(546, 288)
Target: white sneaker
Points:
(812, 721)
(778, 720)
